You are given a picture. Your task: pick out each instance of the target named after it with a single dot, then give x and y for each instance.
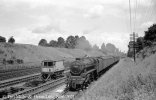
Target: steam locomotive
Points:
(85, 70)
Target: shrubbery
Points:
(10, 61)
(11, 40)
(2, 39)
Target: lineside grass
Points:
(126, 81)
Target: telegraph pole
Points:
(134, 45)
(133, 38)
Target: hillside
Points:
(127, 80)
(32, 53)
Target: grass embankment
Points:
(33, 55)
(126, 81)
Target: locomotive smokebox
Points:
(75, 69)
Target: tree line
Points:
(79, 42)
(71, 42)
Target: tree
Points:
(150, 35)
(60, 42)
(70, 42)
(2, 39)
(76, 37)
(43, 42)
(140, 43)
(11, 40)
(53, 43)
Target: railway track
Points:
(30, 93)
(8, 74)
(7, 83)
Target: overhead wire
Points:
(140, 13)
(135, 16)
(139, 16)
(150, 14)
(130, 16)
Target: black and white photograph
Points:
(77, 49)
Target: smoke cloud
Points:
(84, 44)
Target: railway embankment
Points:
(128, 80)
(33, 55)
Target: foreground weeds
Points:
(126, 81)
(138, 88)
(135, 88)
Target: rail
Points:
(18, 80)
(18, 72)
(29, 93)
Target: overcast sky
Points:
(98, 20)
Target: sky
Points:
(100, 21)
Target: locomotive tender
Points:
(52, 69)
(85, 70)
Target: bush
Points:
(2, 39)
(19, 61)
(148, 43)
(140, 43)
(10, 61)
(11, 40)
